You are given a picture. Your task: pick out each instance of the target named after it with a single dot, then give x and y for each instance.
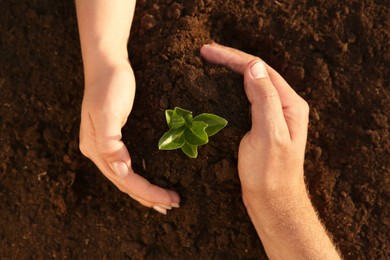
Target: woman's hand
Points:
(107, 103)
(108, 98)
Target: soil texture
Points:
(56, 204)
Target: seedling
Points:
(187, 133)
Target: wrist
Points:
(281, 215)
(98, 63)
(266, 207)
(104, 48)
(275, 189)
(293, 222)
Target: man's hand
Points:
(108, 98)
(274, 147)
(270, 162)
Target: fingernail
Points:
(160, 210)
(164, 206)
(175, 205)
(258, 70)
(120, 168)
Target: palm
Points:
(107, 103)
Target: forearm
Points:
(104, 28)
(289, 228)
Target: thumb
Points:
(266, 107)
(110, 146)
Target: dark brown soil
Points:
(56, 204)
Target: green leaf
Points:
(190, 150)
(214, 123)
(188, 119)
(178, 117)
(168, 115)
(187, 132)
(176, 120)
(185, 114)
(196, 134)
(173, 139)
(182, 112)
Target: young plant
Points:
(187, 133)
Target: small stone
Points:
(317, 152)
(148, 22)
(260, 24)
(344, 47)
(164, 57)
(174, 11)
(155, 7)
(315, 115)
(163, 103)
(67, 159)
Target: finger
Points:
(295, 109)
(142, 188)
(138, 187)
(109, 144)
(266, 107)
(232, 58)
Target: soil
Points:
(56, 204)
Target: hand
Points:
(271, 154)
(108, 100)
(104, 28)
(270, 161)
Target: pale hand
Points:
(107, 102)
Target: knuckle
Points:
(84, 149)
(105, 148)
(269, 94)
(267, 90)
(305, 108)
(274, 140)
(301, 109)
(280, 140)
(265, 94)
